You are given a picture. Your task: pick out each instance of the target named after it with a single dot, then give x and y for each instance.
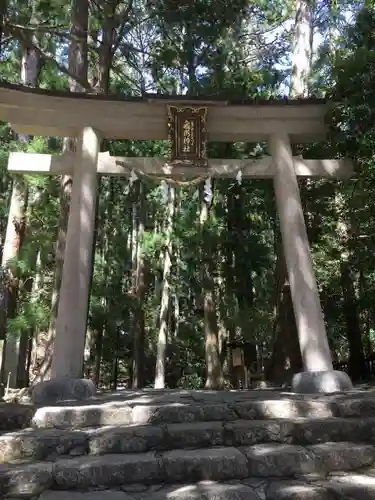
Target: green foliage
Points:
(237, 49)
(193, 382)
(33, 316)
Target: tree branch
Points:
(121, 19)
(19, 34)
(31, 27)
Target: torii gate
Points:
(188, 123)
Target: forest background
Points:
(179, 273)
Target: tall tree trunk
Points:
(286, 353)
(357, 364)
(365, 311)
(106, 200)
(106, 46)
(24, 344)
(165, 294)
(44, 342)
(214, 373)
(175, 313)
(32, 355)
(285, 330)
(139, 293)
(78, 65)
(106, 52)
(30, 68)
(99, 335)
(31, 289)
(302, 49)
(242, 273)
(229, 280)
(13, 241)
(3, 10)
(239, 273)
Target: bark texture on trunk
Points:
(286, 354)
(3, 10)
(365, 311)
(102, 237)
(111, 22)
(165, 295)
(357, 364)
(214, 372)
(139, 294)
(302, 49)
(44, 341)
(13, 240)
(30, 68)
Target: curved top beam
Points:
(39, 112)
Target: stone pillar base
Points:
(62, 389)
(321, 382)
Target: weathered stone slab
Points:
(194, 435)
(220, 412)
(55, 390)
(213, 397)
(133, 439)
(369, 471)
(360, 407)
(177, 413)
(43, 443)
(143, 414)
(90, 495)
(65, 417)
(214, 463)
(39, 444)
(25, 480)
(311, 431)
(204, 490)
(295, 490)
(278, 460)
(108, 470)
(342, 456)
(193, 413)
(237, 433)
(284, 409)
(292, 460)
(351, 486)
(15, 416)
(248, 432)
(125, 412)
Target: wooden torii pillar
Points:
(147, 120)
(74, 292)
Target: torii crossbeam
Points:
(260, 168)
(91, 118)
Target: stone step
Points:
(50, 444)
(346, 486)
(203, 490)
(337, 486)
(216, 464)
(15, 416)
(94, 415)
(357, 486)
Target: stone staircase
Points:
(191, 446)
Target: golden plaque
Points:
(188, 135)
